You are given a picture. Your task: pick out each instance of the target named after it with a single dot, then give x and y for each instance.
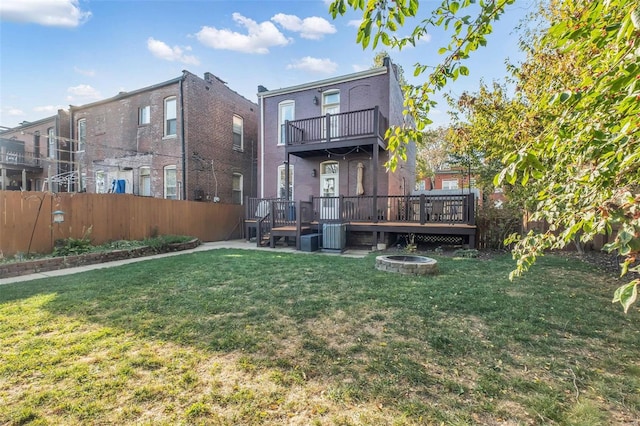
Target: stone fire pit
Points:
(407, 264)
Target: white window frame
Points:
(170, 115)
(144, 115)
(51, 134)
(450, 184)
(144, 174)
(237, 121)
(166, 188)
(282, 117)
(280, 193)
(82, 134)
(235, 190)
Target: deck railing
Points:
(444, 209)
(19, 158)
(330, 127)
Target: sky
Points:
(56, 53)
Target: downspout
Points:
(261, 146)
(184, 145)
(72, 152)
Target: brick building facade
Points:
(187, 138)
(36, 155)
(344, 119)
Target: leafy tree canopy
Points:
(569, 139)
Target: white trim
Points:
(321, 83)
(291, 102)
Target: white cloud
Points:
(258, 39)
(354, 23)
(53, 13)
(313, 28)
(49, 109)
(88, 73)
(14, 112)
(83, 92)
(325, 66)
(161, 50)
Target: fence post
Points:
(423, 208)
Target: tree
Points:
(468, 27)
(432, 153)
(578, 151)
(582, 82)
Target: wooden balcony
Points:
(336, 132)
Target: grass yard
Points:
(235, 337)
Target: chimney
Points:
(261, 89)
(386, 61)
(208, 76)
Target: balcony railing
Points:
(19, 158)
(333, 127)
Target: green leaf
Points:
(626, 295)
(442, 50)
(464, 70)
(453, 7)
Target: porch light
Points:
(315, 100)
(313, 172)
(58, 216)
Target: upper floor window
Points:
(51, 150)
(238, 142)
(286, 111)
(82, 134)
(144, 115)
(450, 184)
(237, 189)
(170, 116)
(170, 183)
(36, 144)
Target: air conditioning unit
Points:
(334, 236)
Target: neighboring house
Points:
(321, 168)
(36, 155)
(188, 138)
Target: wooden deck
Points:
(435, 216)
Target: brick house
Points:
(329, 132)
(188, 138)
(37, 155)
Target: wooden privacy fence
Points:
(26, 219)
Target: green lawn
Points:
(245, 337)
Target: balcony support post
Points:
(374, 172)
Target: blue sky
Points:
(54, 53)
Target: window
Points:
(237, 133)
(421, 185)
(237, 189)
(36, 145)
(144, 115)
(170, 121)
(82, 134)
(51, 153)
(145, 181)
(331, 105)
(170, 183)
(450, 184)
(286, 111)
(282, 193)
(101, 182)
